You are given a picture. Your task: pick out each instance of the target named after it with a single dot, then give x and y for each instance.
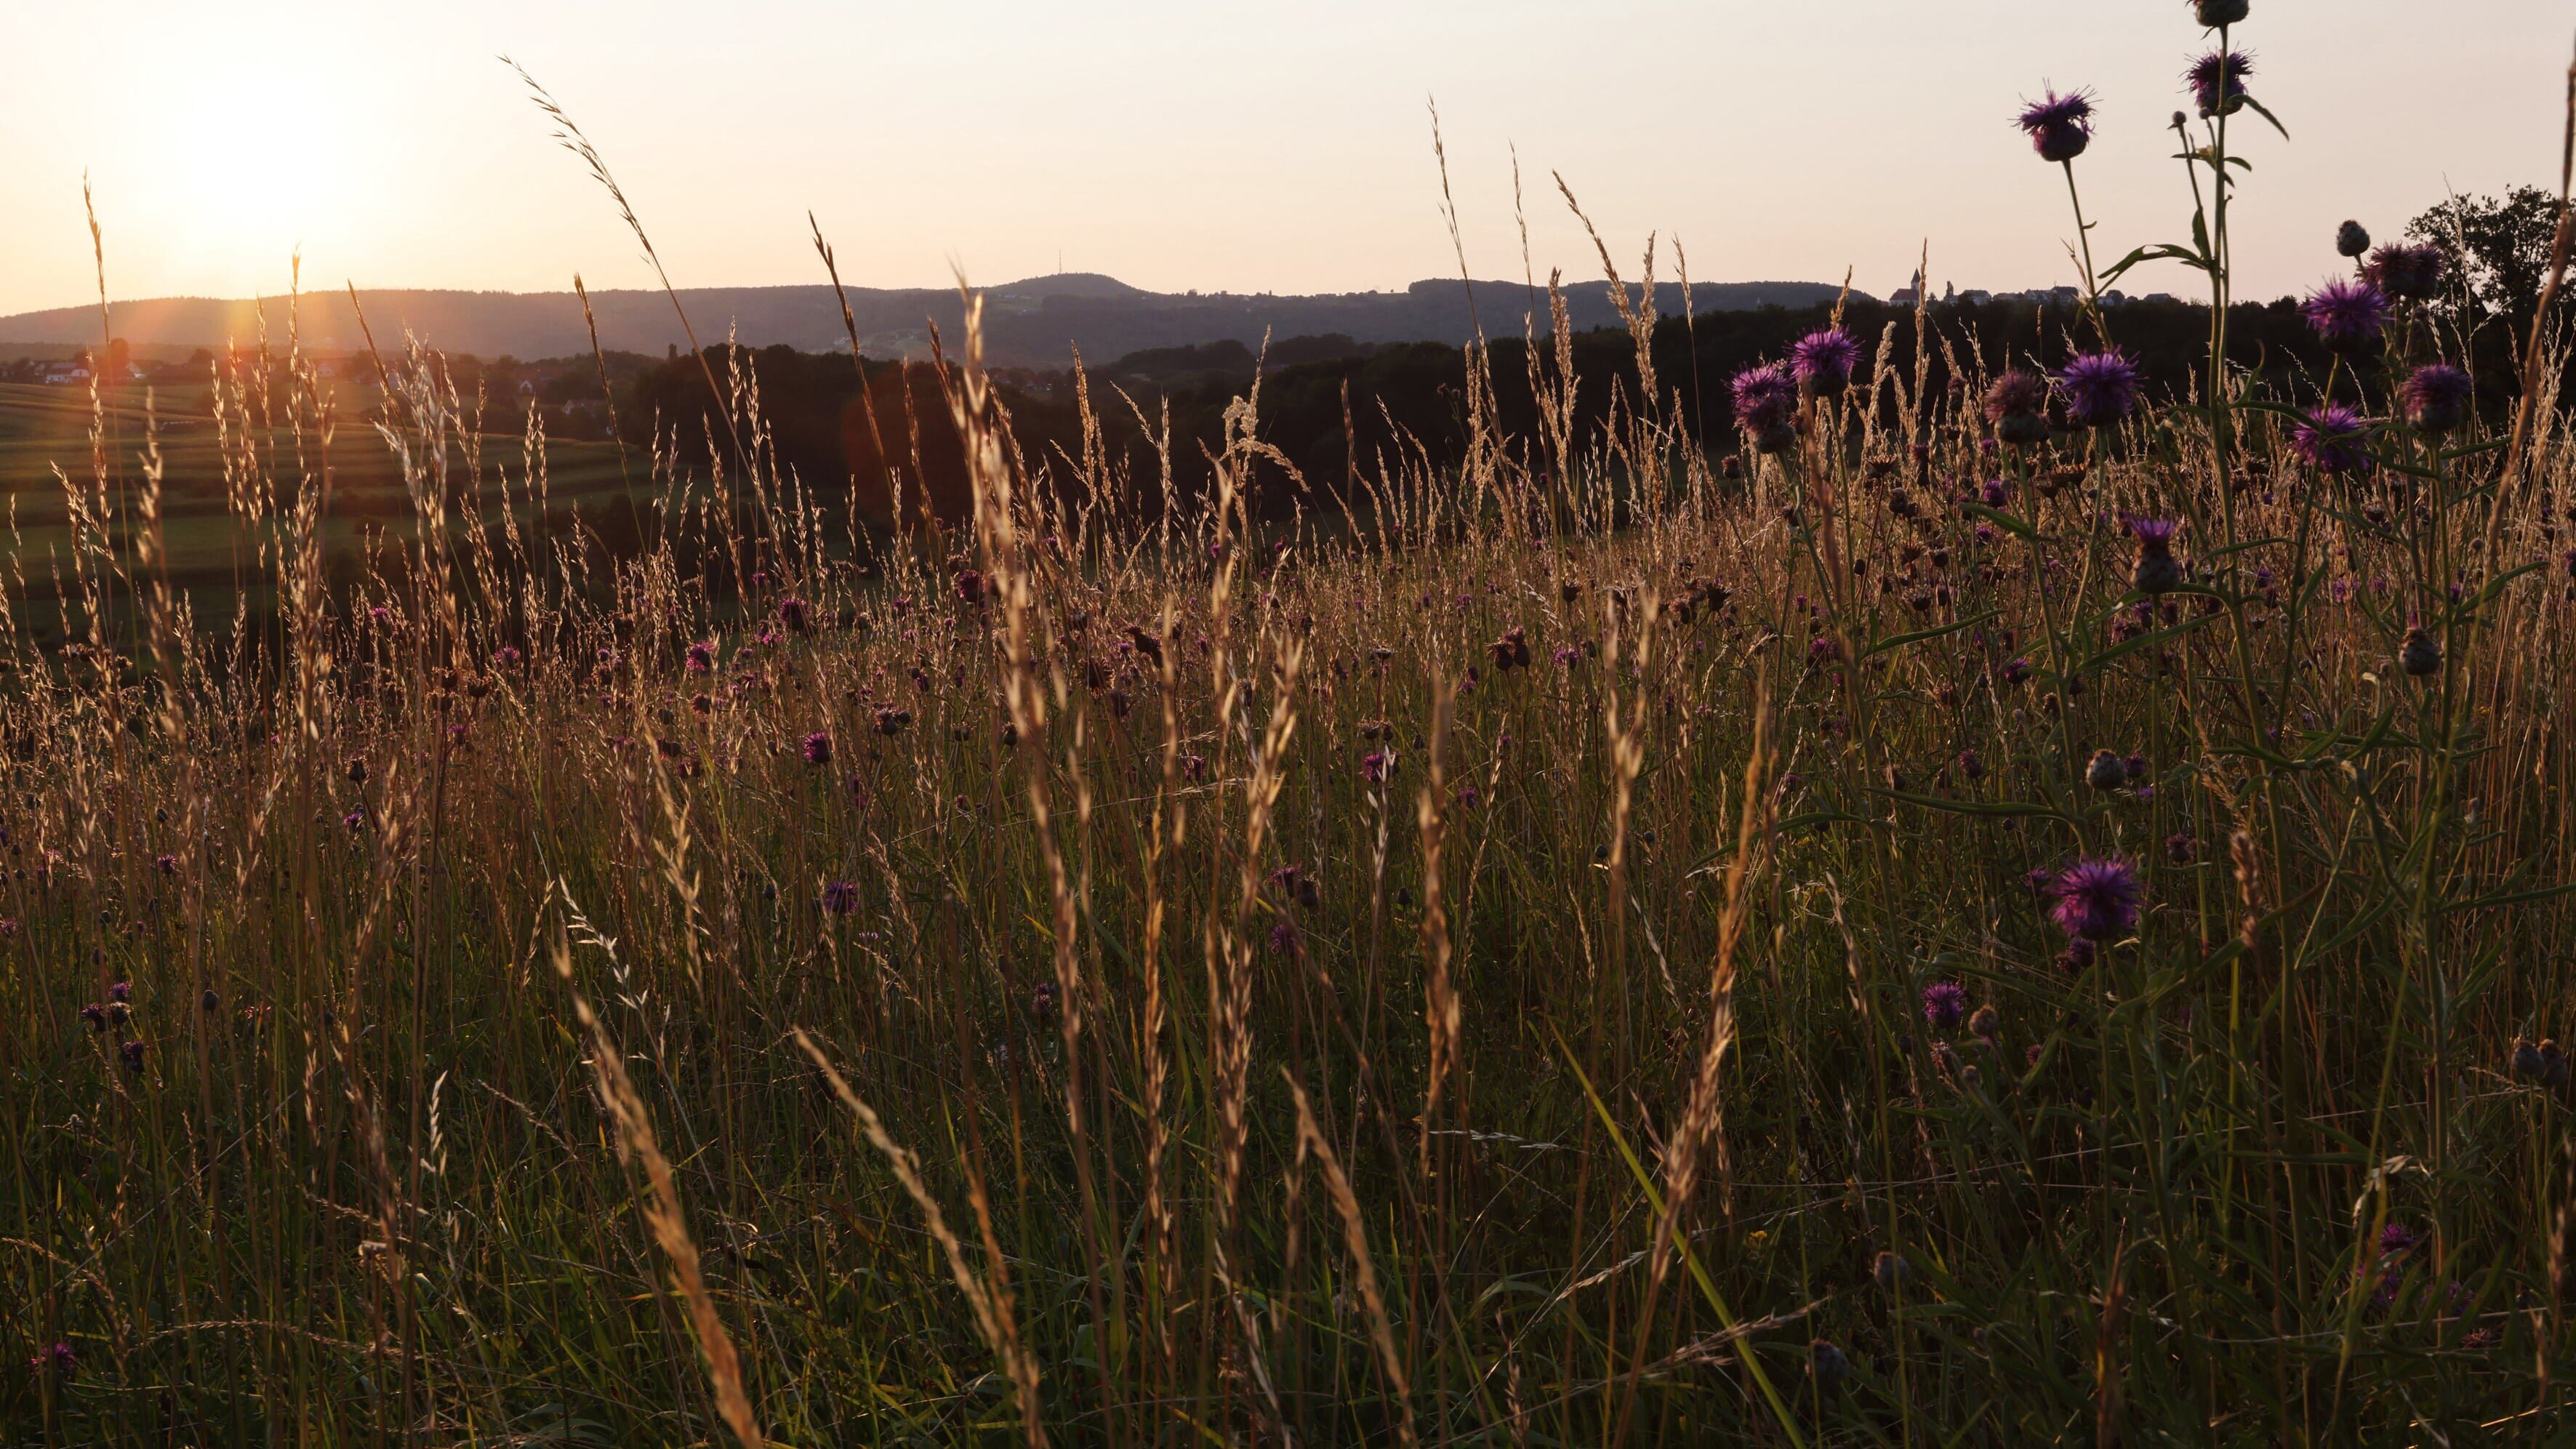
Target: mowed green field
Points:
(46, 437)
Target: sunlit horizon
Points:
(1178, 148)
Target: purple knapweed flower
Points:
(132, 1054)
(2347, 314)
(2218, 81)
(1944, 1002)
(1377, 766)
(2059, 127)
(56, 1358)
(818, 748)
(2097, 899)
(2101, 388)
(970, 586)
(2157, 571)
(2017, 406)
(791, 612)
(2331, 440)
(2410, 273)
(1766, 406)
(2435, 398)
(1824, 360)
(840, 897)
(507, 656)
(702, 657)
(1996, 493)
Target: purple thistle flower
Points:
(2218, 81)
(2157, 571)
(120, 991)
(507, 656)
(818, 748)
(840, 897)
(132, 1053)
(2346, 314)
(1996, 493)
(702, 658)
(2331, 440)
(1944, 1002)
(2435, 398)
(1377, 766)
(791, 612)
(1283, 939)
(2101, 388)
(2410, 272)
(2098, 899)
(1766, 405)
(57, 1359)
(2059, 127)
(2017, 406)
(1824, 360)
(970, 586)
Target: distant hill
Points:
(1031, 323)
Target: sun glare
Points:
(247, 145)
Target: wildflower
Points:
(1567, 657)
(1824, 649)
(891, 721)
(1987, 1023)
(1829, 1365)
(1283, 939)
(2435, 398)
(2101, 388)
(2351, 240)
(120, 992)
(2017, 406)
(2409, 273)
(2106, 771)
(1889, 1269)
(1995, 494)
(2544, 1063)
(1766, 404)
(507, 656)
(1972, 765)
(791, 612)
(2097, 899)
(702, 657)
(166, 863)
(1944, 1002)
(2420, 654)
(818, 748)
(2347, 315)
(2215, 13)
(2218, 81)
(2157, 572)
(1193, 767)
(2331, 439)
(132, 1054)
(970, 586)
(2059, 127)
(2016, 670)
(2181, 848)
(56, 1359)
(1511, 651)
(2077, 956)
(95, 1015)
(356, 770)
(1146, 644)
(1377, 766)
(840, 897)
(1824, 359)
(1042, 1000)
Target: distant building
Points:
(1976, 296)
(64, 374)
(1904, 297)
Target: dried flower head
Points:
(2351, 239)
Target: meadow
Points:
(1993, 908)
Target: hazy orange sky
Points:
(1210, 144)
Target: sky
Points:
(1212, 144)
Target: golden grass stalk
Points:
(992, 1312)
(662, 1213)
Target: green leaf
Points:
(1918, 636)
